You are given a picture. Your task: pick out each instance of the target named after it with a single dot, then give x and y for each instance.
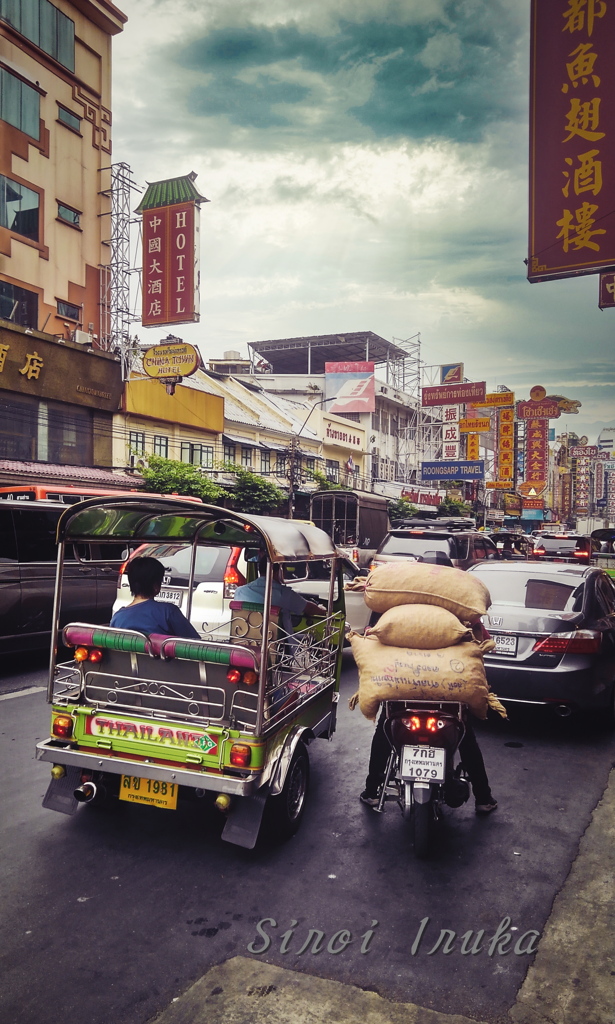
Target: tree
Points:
(168, 476)
(253, 494)
(402, 509)
(323, 482)
(453, 507)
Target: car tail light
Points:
(62, 727)
(241, 754)
(540, 551)
(232, 576)
(355, 555)
(583, 641)
(581, 554)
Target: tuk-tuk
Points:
(605, 555)
(150, 719)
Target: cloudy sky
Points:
(366, 162)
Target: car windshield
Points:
(210, 562)
(550, 593)
(400, 544)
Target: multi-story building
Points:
(58, 391)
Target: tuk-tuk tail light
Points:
(233, 675)
(83, 654)
(62, 727)
(241, 755)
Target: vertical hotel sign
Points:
(170, 282)
(572, 138)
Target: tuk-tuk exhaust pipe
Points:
(85, 793)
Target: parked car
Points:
(554, 629)
(460, 548)
(28, 554)
(565, 547)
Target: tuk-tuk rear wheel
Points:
(286, 810)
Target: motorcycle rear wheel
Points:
(422, 829)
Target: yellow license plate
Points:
(148, 791)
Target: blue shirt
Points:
(155, 617)
(282, 597)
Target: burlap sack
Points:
(423, 626)
(402, 673)
(408, 582)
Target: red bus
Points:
(66, 494)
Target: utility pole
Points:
(293, 461)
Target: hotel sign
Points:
(170, 265)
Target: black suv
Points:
(442, 546)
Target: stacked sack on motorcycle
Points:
(428, 643)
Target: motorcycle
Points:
(420, 773)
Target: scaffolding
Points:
(115, 277)
(421, 439)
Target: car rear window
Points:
(211, 562)
(563, 544)
(549, 594)
(405, 545)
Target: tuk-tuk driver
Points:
(282, 596)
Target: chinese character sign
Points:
(170, 266)
(572, 138)
(607, 291)
(536, 454)
(581, 486)
(506, 444)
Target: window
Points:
(310, 465)
(68, 310)
(67, 117)
(228, 452)
(354, 416)
(280, 465)
(136, 442)
(66, 213)
(43, 24)
(375, 421)
(265, 463)
(19, 208)
(197, 454)
(246, 458)
(19, 104)
(161, 446)
(18, 305)
(333, 471)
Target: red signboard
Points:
(454, 394)
(536, 456)
(533, 503)
(170, 277)
(572, 138)
(607, 291)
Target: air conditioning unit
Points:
(375, 451)
(136, 462)
(82, 337)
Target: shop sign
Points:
(175, 360)
(495, 399)
(453, 470)
(572, 138)
(449, 394)
(472, 447)
(478, 425)
(607, 291)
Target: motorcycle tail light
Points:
(431, 725)
(81, 654)
(233, 675)
(583, 641)
(413, 723)
(241, 754)
(62, 727)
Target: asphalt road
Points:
(107, 916)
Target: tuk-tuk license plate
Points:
(423, 764)
(148, 791)
(506, 645)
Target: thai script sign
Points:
(496, 398)
(459, 394)
(350, 387)
(170, 265)
(539, 406)
(457, 470)
(475, 426)
(176, 360)
(572, 138)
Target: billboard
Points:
(572, 138)
(170, 265)
(350, 387)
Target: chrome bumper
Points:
(46, 751)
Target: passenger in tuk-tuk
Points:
(144, 613)
(282, 596)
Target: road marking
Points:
(23, 693)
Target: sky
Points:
(366, 166)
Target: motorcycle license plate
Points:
(148, 791)
(423, 764)
(506, 645)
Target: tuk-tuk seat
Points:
(171, 647)
(77, 634)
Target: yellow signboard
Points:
(170, 360)
(479, 426)
(496, 398)
(500, 485)
(472, 447)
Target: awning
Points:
(247, 442)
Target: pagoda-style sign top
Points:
(170, 192)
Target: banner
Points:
(572, 138)
(350, 387)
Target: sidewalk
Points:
(572, 980)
